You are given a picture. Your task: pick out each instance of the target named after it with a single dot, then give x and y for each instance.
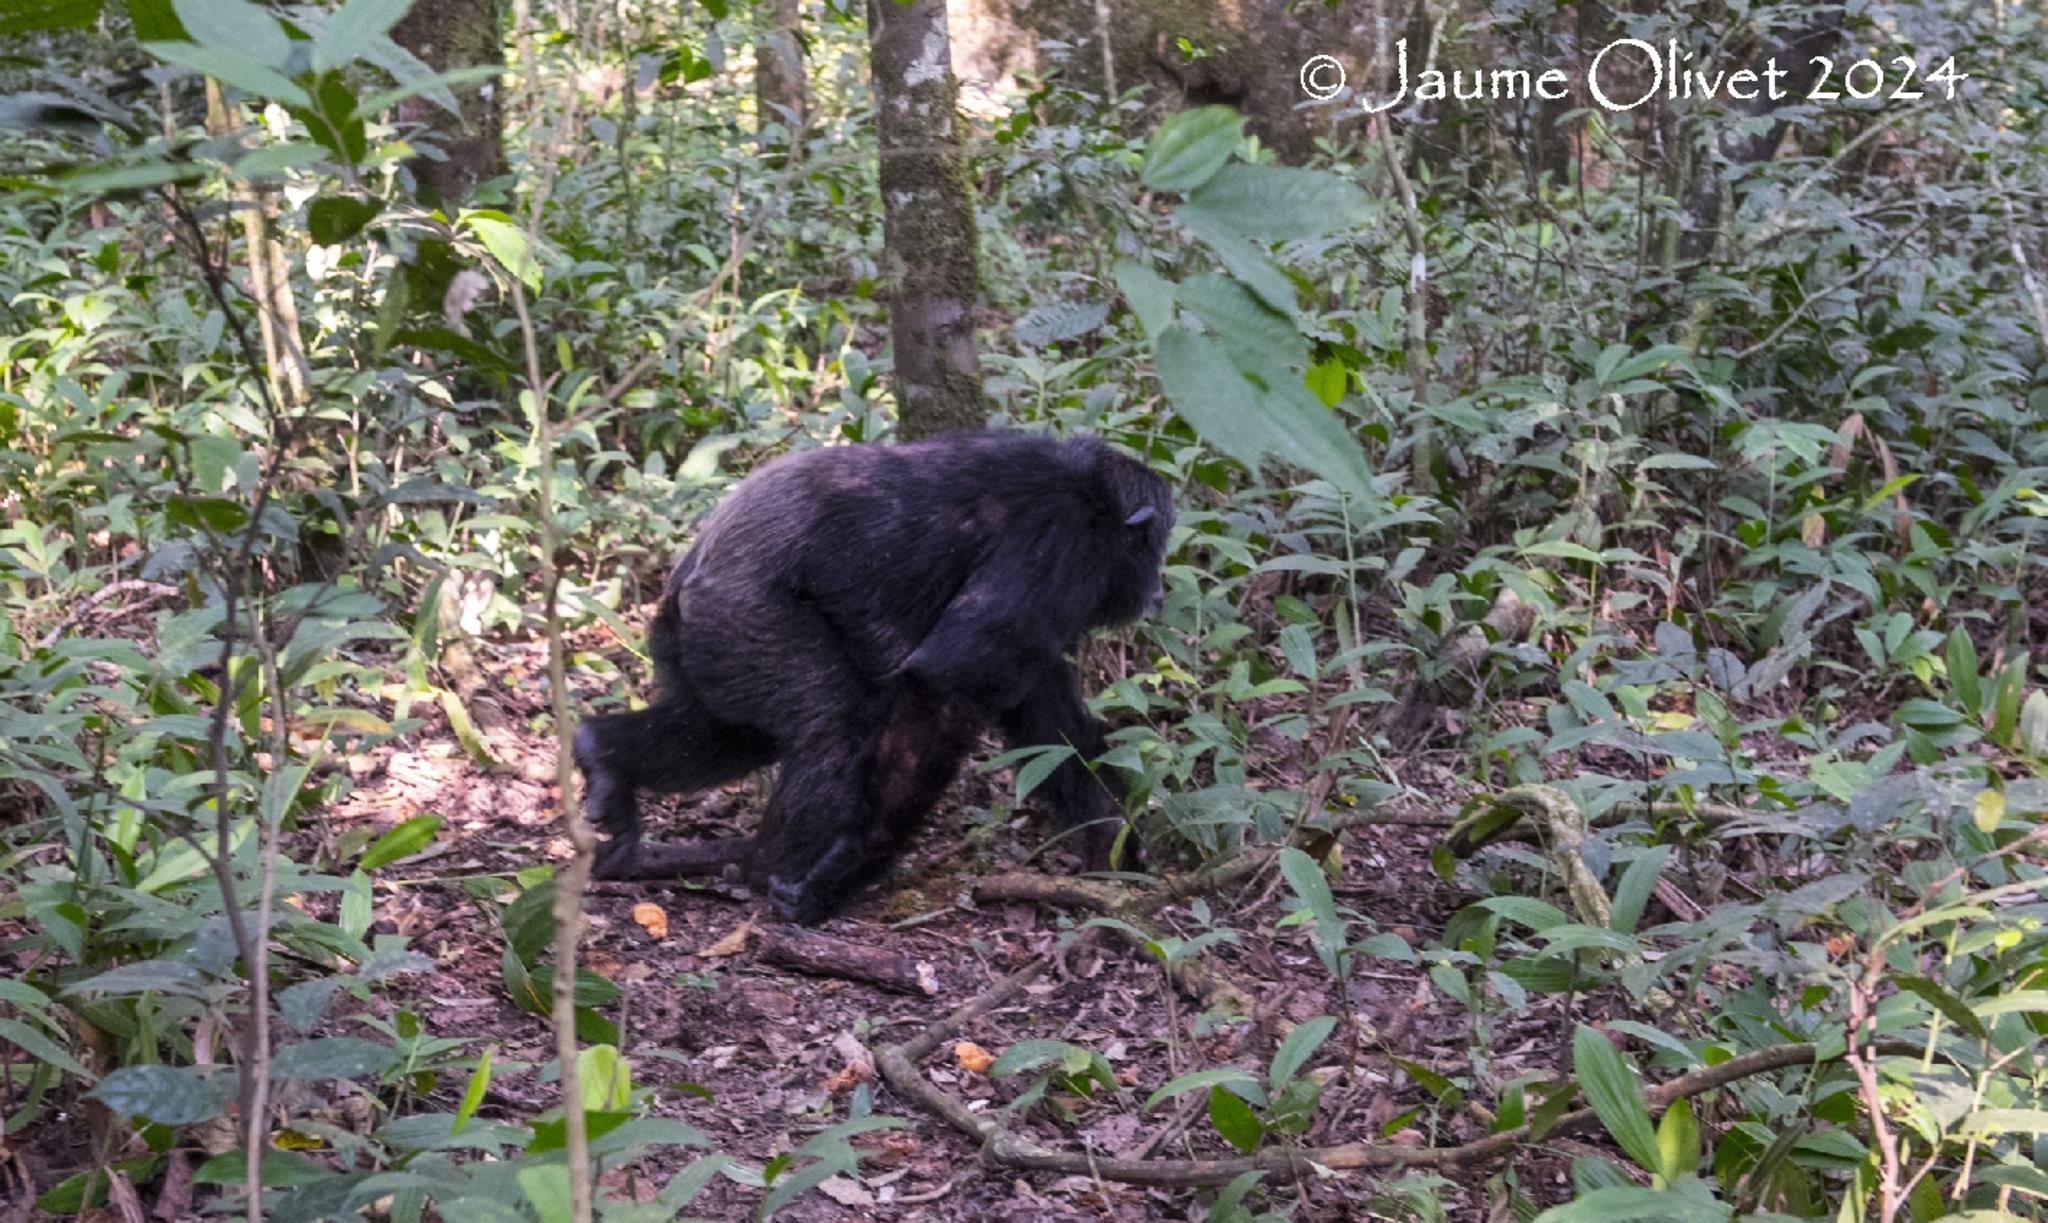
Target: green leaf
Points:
(1675, 461)
(1299, 1046)
(302, 1004)
(1030, 1055)
(180, 861)
(546, 1187)
(166, 1095)
(1649, 361)
(1242, 259)
(402, 841)
(1246, 422)
(351, 32)
(1033, 772)
(155, 21)
(1610, 1084)
(334, 219)
(332, 1057)
(2031, 736)
(40, 1047)
(605, 1078)
(279, 1170)
(1214, 1076)
(473, 1095)
(1328, 380)
(1537, 915)
(1280, 203)
(1148, 294)
(1629, 1203)
(1293, 1108)
(553, 1134)
(437, 84)
(1059, 320)
(2003, 1123)
(107, 180)
(1241, 322)
(1943, 1001)
(2005, 701)
(236, 28)
(36, 16)
(148, 976)
(508, 245)
(1234, 1119)
(1632, 893)
(1678, 1141)
(1189, 148)
(1306, 877)
(244, 74)
(1229, 1204)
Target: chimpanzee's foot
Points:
(1098, 843)
(618, 858)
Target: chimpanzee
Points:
(859, 614)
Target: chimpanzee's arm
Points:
(1012, 621)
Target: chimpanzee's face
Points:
(1137, 587)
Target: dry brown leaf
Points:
(731, 944)
(972, 1057)
(859, 1064)
(845, 1192)
(652, 918)
(604, 963)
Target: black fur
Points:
(860, 614)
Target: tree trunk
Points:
(449, 34)
(928, 232)
(781, 90)
(1735, 143)
(270, 274)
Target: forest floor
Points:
(780, 1051)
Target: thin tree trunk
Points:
(270, 283)
(928, 232)
(449, 34)
(781, 88)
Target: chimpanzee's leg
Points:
(1053, 711)
(670, 747)
(845, 806)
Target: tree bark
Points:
(930, 246)
(782, 93)
(448, 34)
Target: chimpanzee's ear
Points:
(1142, 515)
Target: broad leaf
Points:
(1189, 148)
(1610, 1084)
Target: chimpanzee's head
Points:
(1140, 511)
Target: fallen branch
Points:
(808, 951)
(900, 1072)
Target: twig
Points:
(97, 597)
(1847, 282)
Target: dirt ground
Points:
(781, 1054)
